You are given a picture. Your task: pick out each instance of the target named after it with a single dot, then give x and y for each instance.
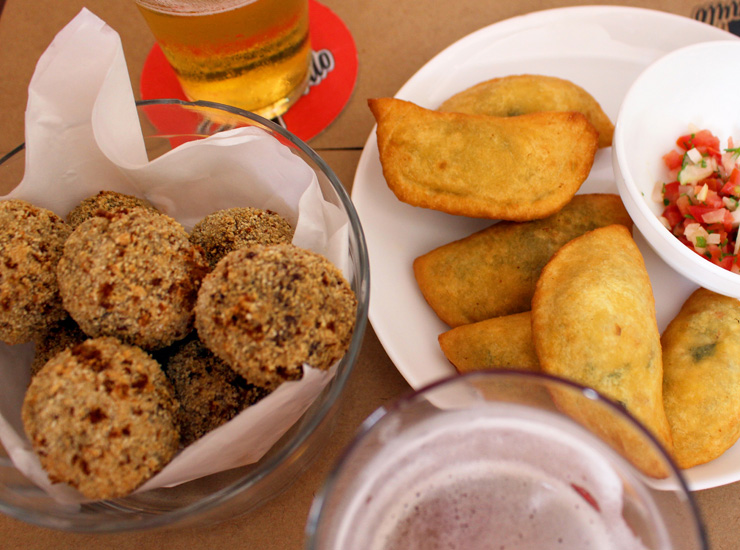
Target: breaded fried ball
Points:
(227, 230)
(132, 274)
(31, 244)
(267, 310)
(101, 417)
(210, 393)
(56, 338)
(107, 201)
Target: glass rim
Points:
(333, 391)
(316, 511)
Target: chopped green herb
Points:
(702, 352)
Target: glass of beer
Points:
(491, 460)
(251, 54)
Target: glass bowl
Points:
(504, 459)
(166, 124)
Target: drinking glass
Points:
(491, 460)
(251, 54)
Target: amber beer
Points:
(252, 54)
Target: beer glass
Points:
(489, 461)
(251, 54)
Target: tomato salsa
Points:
(701, 199)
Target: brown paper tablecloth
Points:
(394, 39)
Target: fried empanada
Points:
(701, 377)
(529, 93)
(493, 272)
(499, 343)
(593, 322)
(517, 168)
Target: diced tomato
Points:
(670, 193)
(673, 215)
(697, 212)
(732, 187)
(712, 183)
(729, 221)
(685, 241)
(735, 265)
(707, 203)
(718, 228)
(673, 160)
(727, 261)
(713, 200)
(713, 253)
(684, 203)
(703, 140)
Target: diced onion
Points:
(729, 161)
(693, 231)
(686, 190)
(694, 155)
(702, 194)
(658, 192)
(713, 238)
(715, 216)
(696, 172)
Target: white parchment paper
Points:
(83, 135)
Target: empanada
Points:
(517, 168)
(701, 377)
(493, 272)
(593, 322)
(498, 343)
(515, 95)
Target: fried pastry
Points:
(701, 377)
(530, 93)
(493, 272)
(593, 322)
(502, 342)
(516, 168)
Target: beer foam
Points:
(193, 7)
(491, 481)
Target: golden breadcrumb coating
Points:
(132, 274)
(31, 243)
(267, 310)
(101, 417)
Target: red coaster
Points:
(333, 75)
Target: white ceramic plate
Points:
(602, 49)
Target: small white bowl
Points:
(697, 85)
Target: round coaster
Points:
(333, 75)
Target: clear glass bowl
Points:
(504, 458)
(234, 492)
